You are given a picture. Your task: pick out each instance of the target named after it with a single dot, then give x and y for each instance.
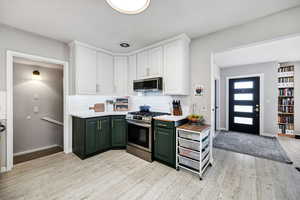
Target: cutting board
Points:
(98, 107)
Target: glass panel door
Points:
(244, 105)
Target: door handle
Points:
(257, 108)
(100, 125)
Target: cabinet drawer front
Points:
(164, 124)
(118, 117)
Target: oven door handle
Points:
(139, 124)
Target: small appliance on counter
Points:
(177, 110)
(121, 104)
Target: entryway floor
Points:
(255, 145)
(119, 175)
(37, 154)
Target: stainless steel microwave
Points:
(151, 84)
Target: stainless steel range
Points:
(140, 133)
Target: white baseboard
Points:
(68, 151)
(34, 150)
(222, 129)
(3, 169)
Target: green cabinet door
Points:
(91, 136)
(104, 136)
(118, 130)
(164, 146)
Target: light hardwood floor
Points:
(118, 175)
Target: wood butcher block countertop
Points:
(196, 128)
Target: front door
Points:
(244, 105)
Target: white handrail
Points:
(52, 121)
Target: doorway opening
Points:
(38, 109)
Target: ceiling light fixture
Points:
(36, 75)
(130, 7)
(124, 44)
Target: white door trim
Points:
(261, 99)
(9, 84)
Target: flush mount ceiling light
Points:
(129, 6)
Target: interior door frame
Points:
(9, 102)
(217, 103)
(261, 99)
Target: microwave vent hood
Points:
(151, 84)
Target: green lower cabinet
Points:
(118, 132)
(95, 135)
(165, 143)
(103, 136)
(91, 136)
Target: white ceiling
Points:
(95, 23)
(283, 50)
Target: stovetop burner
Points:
(143, 117)
(148, 114)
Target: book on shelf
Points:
(286, 99)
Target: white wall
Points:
(269, 92)
(267, 28)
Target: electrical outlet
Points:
(36, 109)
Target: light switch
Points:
(35, 109)
(203, 108)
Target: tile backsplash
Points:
(81, 103)
(157, 103)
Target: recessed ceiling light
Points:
(124, 44)
(129, 6)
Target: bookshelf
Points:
(286, 100)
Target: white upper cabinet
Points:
(85, 63)
(142, 65)
(97, 71)
(176, 68)
(156, 61)
(121, 75)
(131, 73)
(150, 63)
(105, 74)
